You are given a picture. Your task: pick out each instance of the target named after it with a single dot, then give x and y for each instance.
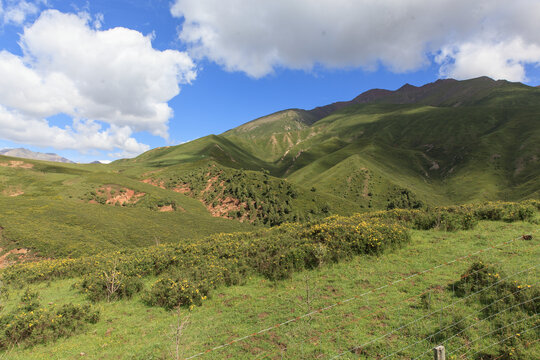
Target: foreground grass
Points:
(130, 330)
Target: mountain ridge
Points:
(443, 132)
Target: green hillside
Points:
(58, 210)
(447, 142)
(360, 229)
(442, 143)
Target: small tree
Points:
(177, 328)
(113, 280)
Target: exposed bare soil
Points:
(12, 191)
(13, 256)
(119, 196)
(158, 183)
(17, 164)
(166, 208)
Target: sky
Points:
(107, 79)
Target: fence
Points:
(441, 352)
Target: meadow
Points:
(371, 298)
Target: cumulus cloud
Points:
(112, 83)
(258, 36)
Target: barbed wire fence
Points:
(403, 303)
(356, 348)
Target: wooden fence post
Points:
(438, 353)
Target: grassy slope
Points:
(52, 218)
(240, 310)
(447, 142)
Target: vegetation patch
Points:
(250, 196)
(31, 324)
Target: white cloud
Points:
(113, 83)
(83, 135)
(499, 60)
(258, 36)
(17, 11)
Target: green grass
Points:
(456, 142)
(128, 329)
(54, 218)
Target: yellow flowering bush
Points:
(30, 323)
(169, 293)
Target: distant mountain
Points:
(27, 154)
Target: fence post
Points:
(438, 353)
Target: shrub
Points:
(169, 293)
(109, 286)
(498, 292)
(29, 301)
(38, 325)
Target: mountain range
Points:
(447, 142)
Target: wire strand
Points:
(489, 333)
(291, 320)
(423, 317)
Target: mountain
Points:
(27, 154)
(447, 142)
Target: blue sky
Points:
(75, 83)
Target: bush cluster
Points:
(439, 218)
(226, 259)
(504, 301)
(170, 293)
(31, 324)
(261, 198)
(101, 286)
(275, 254)
(492, 285)
(460, 217)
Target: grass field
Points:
(208, 226)
(128, 329)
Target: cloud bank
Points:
(466, 38)
(112, 83)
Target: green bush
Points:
(171, 293)
(508, 305)
(31, 324)
(29, 301)
(497, 291)
(111, 285)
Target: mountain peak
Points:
(407, 87)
